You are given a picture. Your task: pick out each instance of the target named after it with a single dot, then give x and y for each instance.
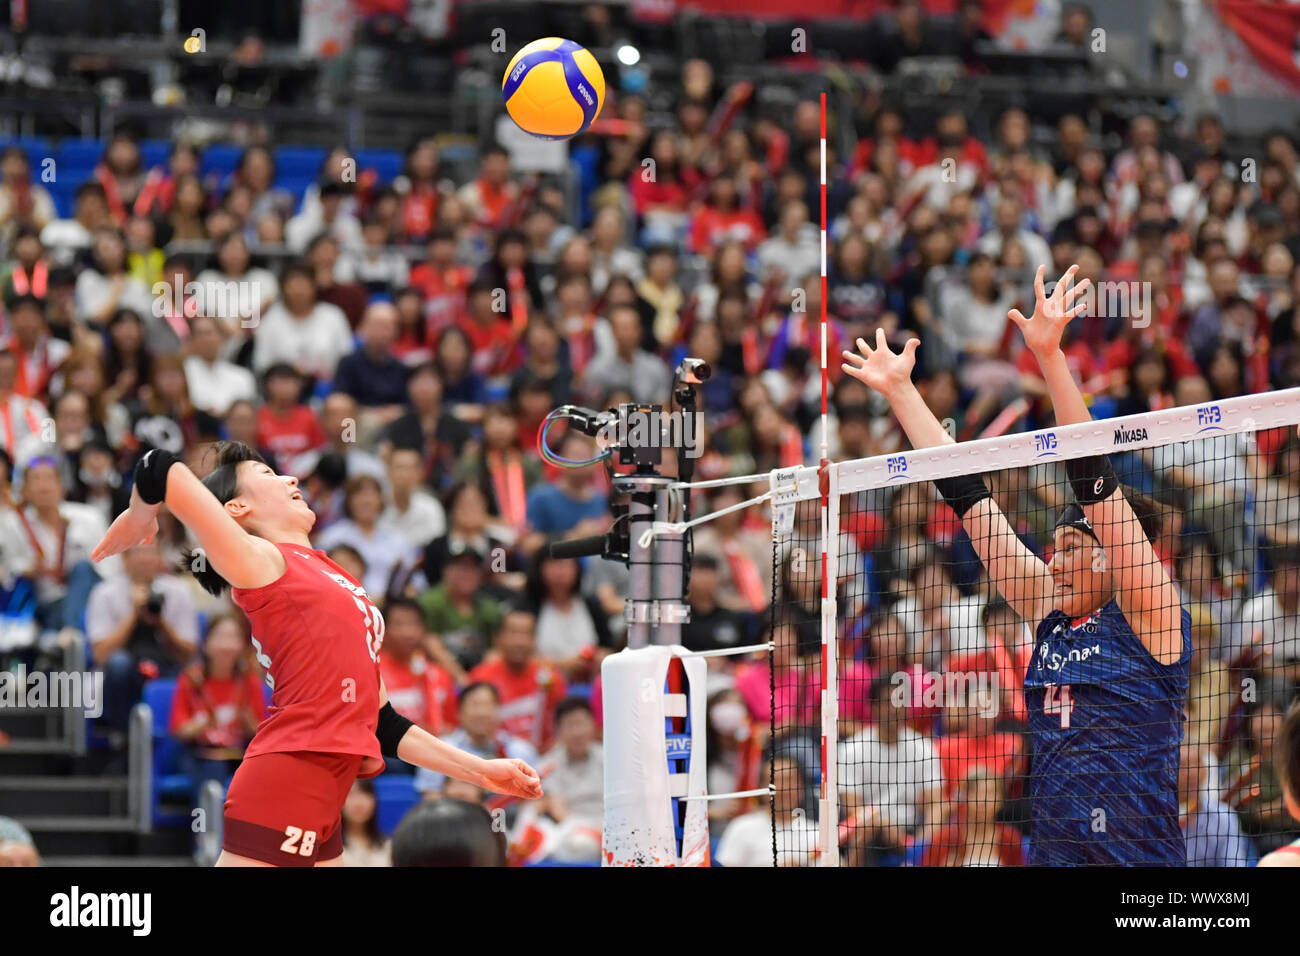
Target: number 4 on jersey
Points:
(1056, 700)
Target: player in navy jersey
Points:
(1110, 670)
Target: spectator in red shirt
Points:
(489, 330)
(661, 190)
(969, 739)
(722, 218)
(285, 426)
(490, 198)
(419, 190)
(442, 281)
(418, 689)
(529, 688)
(973, 836)
(218, 704)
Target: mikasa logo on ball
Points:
(585, 95)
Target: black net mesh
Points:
(1012, 691)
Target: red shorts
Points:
(286, 808)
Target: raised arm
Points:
(244, 560)
(1021, 578)
(1145, 592)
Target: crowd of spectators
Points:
(406, 390)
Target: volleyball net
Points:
(921, 715)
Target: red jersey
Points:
(948, 847)
(711, 227)
(223, 698)
(420, 691)
(490, 342)
(959, 753)
(528, 698)
(443, 292)
(317, 636)
(289, 436)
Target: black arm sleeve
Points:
(391, 729)
(963, 492)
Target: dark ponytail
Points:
(222, 482)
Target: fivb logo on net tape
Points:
(1209, 418)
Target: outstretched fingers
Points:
(1074, 291)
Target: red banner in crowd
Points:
(1271, 31)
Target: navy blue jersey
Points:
(1106, 720)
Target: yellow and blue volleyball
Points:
(553, 88)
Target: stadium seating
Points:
(394, 795)
(168, 780)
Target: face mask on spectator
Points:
(727, 717)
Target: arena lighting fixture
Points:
(627, 54)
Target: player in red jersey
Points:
(317, 635)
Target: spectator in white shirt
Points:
(145, 625)
(258, 287)
(747, 841)
(975, 312)
(50, 540)
(643, 374)
(572, 631)
(1268, 630)
(330, 218)
(610, 254)
(214, 383)
(380, 544)
(107, 286)
(20, 418)
(22, 202)
(415, 513)
(1007, 227)
(308, 334)
(338, 420)
(64, 238)
(575, 784)
(376, 265)
(29, 338)
(795, 250)
(889, 775)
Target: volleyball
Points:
(553, 88)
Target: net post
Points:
(828, 810)
(829, 806)
(825, 374)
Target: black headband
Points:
(1073, 517)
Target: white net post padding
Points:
(639, 790)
